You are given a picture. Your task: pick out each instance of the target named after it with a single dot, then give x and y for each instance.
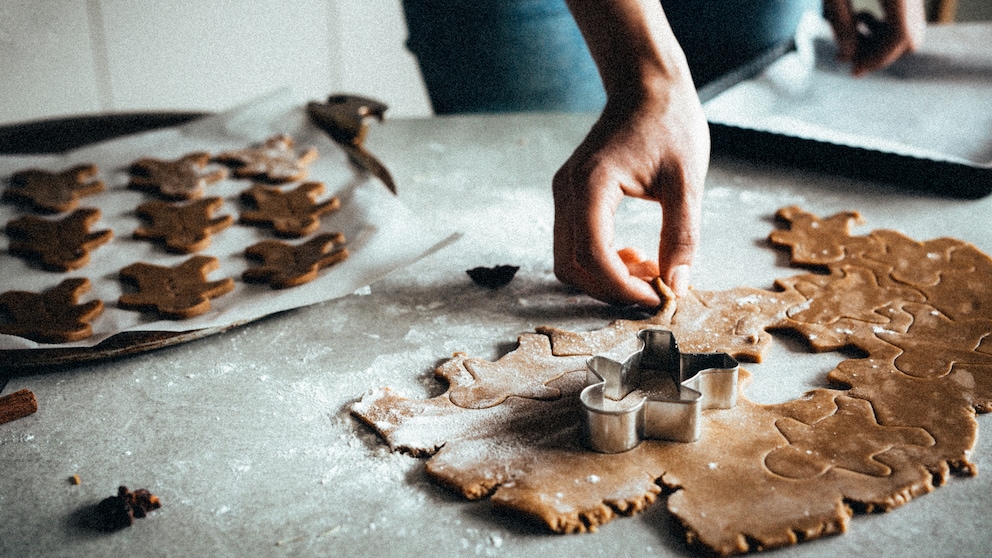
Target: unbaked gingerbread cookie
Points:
(52, 316)
(57, 244)
(182, 228)
(275, 161)
(283, 265)
(175, 179)
(54, 192)
(291, 213)
(177, 292)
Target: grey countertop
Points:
(246, 435)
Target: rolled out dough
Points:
(900, 419)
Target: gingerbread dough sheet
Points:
(898, 419)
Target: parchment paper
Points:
(933, 104)
(382, 234)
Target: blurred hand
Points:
(653, 146)
(870, 44)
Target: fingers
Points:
(678, 243)
(841, 18)
(871, 44)
(681, 206)
(583, 244)
(883, 42)
(653, 147)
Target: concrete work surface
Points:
(246, 435)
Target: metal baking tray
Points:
(923, 124)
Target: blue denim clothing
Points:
(528, 55)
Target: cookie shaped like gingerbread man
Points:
(294, 213)
(285, 265)
(60, 244)
(182, 228)
(178, 292)
(54, 192)
(52, 316)
(275, 161)
(179, 179)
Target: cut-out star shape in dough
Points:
(179, 179)
(178, 292)
(293, 213)
(182, 228)
(60, 244)
(52, 316)
(284, 265)
(54, 192)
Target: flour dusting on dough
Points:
(896, 421)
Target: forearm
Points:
(632, 44)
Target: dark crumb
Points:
(493, 277)
(118, 512)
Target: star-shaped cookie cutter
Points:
(656, 393)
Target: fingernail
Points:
(678, 280)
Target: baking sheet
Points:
(924, 122)
(382, 234)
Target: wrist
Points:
(633, 46)
(650, 93)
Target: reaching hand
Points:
(870, 44)
(655, 147)
(651, 142)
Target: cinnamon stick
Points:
(17, 405)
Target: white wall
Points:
(64, 57)
(46, 59)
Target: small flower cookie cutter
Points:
(656, 393)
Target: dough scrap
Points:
(898, 420)
(476, 383)
(120, 511)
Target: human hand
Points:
(654, 147)
(870, 44)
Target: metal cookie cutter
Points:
(657, 393)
